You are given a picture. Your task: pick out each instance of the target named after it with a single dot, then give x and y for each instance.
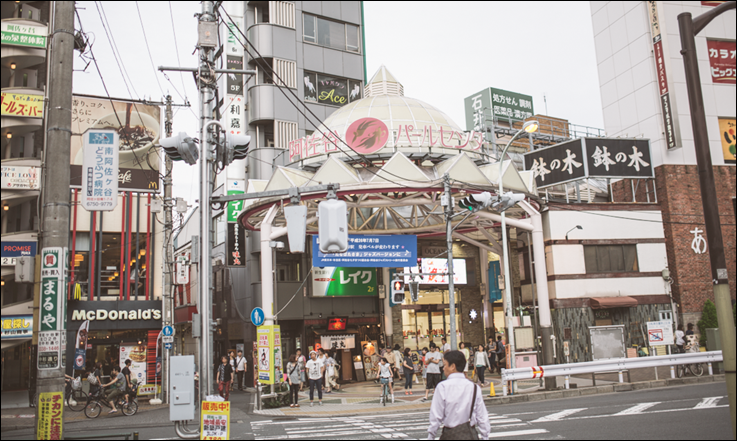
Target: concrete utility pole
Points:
(689, 28)
(448, 202)
(56, 184)
(168, 304)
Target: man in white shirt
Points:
(446, 346)
(315, 370)
(240, 367)
(432, 361)
(451, 405)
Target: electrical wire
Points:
(148, 48)
(176, 48)
(561, 206)
(115, 50)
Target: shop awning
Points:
(612, 302)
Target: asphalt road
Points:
(687, 412)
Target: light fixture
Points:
(9, 135)
(5, 207)
(12, 66)
(2, 282)
(139, 342)
(577, 227)
(530, 126)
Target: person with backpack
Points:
(491, 352)
(458, 404)
(500, 353)
(94, 379)
(294, 375)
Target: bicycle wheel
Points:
(130, 409)
(680, 370)
(77, 400)
(386, 393)
(93, 409)
(697, 369)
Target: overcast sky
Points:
(440, 52)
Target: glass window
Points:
(308, 28)
(610, 258)
(330, 33)
(351, 37)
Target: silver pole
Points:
(449, 239)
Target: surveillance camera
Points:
(280, 246)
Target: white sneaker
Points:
(392, 398)
(381, 400)
(312, 404)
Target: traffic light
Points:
(414, 290)
(232, 147)
(507, 201)
(181, 148)
(397, 292)
(332, 217)
(476, 202)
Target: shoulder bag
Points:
(465, 430)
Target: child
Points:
(386, 376)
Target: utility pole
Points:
(448, 203)
(689, 27)
(168, 304)
(56, 209)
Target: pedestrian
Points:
(409, 370)
(294, 376)
(689, 329)
(386, 377)
(423, 365)
(680, 342)
(481, 361)
(301, 360)
(233, 364)
(432, 361)
(323, 357)
(391, 359)
(491, 352)
(127, 374)
(501, 353)
(240, 366)
(331, 368)
(466, 354)
(224, 377)
(458, 404)
(315, 369)
(446, 346)
(397, 361)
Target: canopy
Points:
(612, 302)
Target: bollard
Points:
(621, 377)
(135, 435)
(504, 388)
(711, 371)
(567, 382)
(672, 372)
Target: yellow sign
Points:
(50, 413)
(215, 422)
(18, 104)
(269, 354)
(728, 135)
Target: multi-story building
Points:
(643, 94)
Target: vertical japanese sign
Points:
(100, 170)
(52, 308)
(728, 135)
(343, 282)
(269, 354)
(722, 60)
(234, 207)
(661, 60)
(215, 420)
(50, 414)
(236, 245)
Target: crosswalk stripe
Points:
(517, 433)
(708, 402)
(558, 415)
(634, 410)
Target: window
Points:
(324, 89)
(610, 258)
(329, 33)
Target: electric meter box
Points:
(181, 388)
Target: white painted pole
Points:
(267, 267)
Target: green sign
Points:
(344, 282)
(52, 309)
(503, 103)
(24, 33)
(234, 207)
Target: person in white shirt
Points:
(432, 362)
(315, 369)
(240, 367)
(451, 405)
(680, 342)
(445, 347)
(386, 376)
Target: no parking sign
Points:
(660, 333)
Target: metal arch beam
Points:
(474, 242)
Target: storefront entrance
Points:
(428, 320)
(15, 367)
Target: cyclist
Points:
(680, 342)
(386, 376)
(120, 384)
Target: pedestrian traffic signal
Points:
(332, 217)
(397, 292)
(181, 148)
(476, 202)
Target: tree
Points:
(708, 320)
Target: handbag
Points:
(465, 430)
(91, 379)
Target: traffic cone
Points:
(492, 392)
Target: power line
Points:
(114, 49)
(176, 48)
(148, 48)
(562, 207)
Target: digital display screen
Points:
(337, 323)
(439, 267)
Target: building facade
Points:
(643, 92)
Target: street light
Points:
(529, 127)
(577, 227)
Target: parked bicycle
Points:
(696, 369)
(75, 398)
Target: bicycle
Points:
(696, 369)
(75, 399)
(384, 390)
(94, 407)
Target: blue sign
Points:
(18, 249)
(167, 331)
(370, 251)
(258, 316)
(167, 345)
(80, 357)
(17, 326)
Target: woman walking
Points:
(301, 360)
(409, 370)
(467, 354)
(295, 379)
(224, 377)
(482, 363)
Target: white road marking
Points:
(557, 416)
(517, 433)
(708, 402)
(637, 409)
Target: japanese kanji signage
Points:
(234, 207)
(16, 177)
(100, 170)
(235, 81)
(370, 252)
(661, 62)
(21, 104)
(50, 413)
(269, 354)
(17, 326)
(343, 282)
(236, 245)
(138, 127)
(24, 33)
(501, 103)
(215, 420)
(590, 157)
(728, 135)
(722, 60)
(52, 306)
(338, 342)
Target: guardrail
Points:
(613, 365)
